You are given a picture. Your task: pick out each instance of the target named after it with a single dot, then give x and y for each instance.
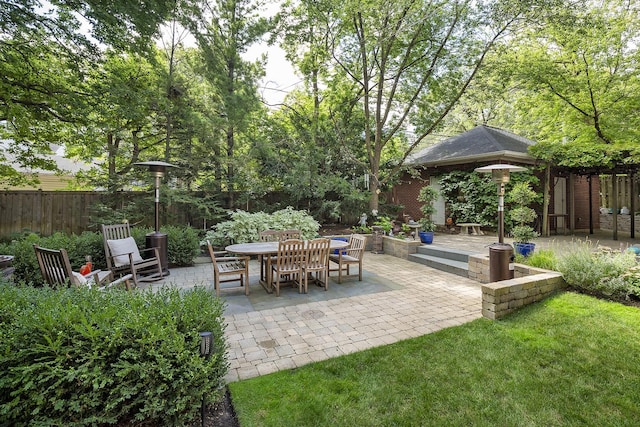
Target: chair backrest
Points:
(317, 253)
(290, 234)
(269, 236)
(356, 246)
(213, 255)
(290, 254)
(55, 266)
(113, 232)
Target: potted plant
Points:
(522, 196)
(427, 196)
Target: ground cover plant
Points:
(570, 360)
(77, 357)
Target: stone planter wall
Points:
(529, 285)
(399, 248)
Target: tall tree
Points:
(412, 61)
(228, 29)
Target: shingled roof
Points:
(480, 144)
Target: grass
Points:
(567, 361)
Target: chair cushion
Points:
(121, 248)
(80, 279)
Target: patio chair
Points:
(351, 255)
(290, 234)
(288, 263)
(123, 255)
(225, 266)
(267, 236)
(316, 261)
(56, 271)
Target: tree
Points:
(411, 62)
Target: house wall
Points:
(406, 194)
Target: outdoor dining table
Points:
(269, 249)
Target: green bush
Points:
(597, 272)
(183, 245)
(78, 357)
(246, 227)
(542, 258)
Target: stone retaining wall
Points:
(624, 222)
(529, 285)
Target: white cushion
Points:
(120, 250)
(80, 279)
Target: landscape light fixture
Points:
(206, 348)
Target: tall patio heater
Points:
(500, 254)
(157, 239)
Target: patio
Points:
(397, 299)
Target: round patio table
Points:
(268, 249)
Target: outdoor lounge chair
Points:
(225, 266)
(352, 255)
(56, 271)
(123, 255)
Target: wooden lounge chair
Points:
(123, 255)
(225, 266)
(288, 263)
(351, 255)
(316, 261)
(56, 271)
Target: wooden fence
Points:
(46, 212)
(625, 191)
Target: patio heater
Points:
(157, 239)
(500, 254)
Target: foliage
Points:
(384, 222)
(604, 272)
(548, 364)
(84, 357)
(183, 247)
(522, 196)
(183, 244)
(542, 258)
(427, 195)
(470, 197)
(246, 227)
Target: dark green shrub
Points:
(78, 357)
(183, 244)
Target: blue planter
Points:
(524, 249)
(426, 237)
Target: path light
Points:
(500, 254)
(158, 239)
(206, 348)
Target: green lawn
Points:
(570, 360)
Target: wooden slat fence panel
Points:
(624, 191)
(46, 212)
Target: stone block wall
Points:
(529, 285)
(624, 222)
(399, 248)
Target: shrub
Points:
(82, 357)
(596, 272)
(246, 227)
(542, 258)
(183, 244)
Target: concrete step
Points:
(461, 268)
(445, 252)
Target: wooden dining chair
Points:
(351, 255)
(316, 261)
(288, 263)
(290, 234)
(123, 255)
(56, 271)
(267, 236)
(229, 269)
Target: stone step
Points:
(461, 268)
(445, 252)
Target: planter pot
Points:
(426, 237)
(524, 249)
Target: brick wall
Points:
(406, 193)
(581, 197)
